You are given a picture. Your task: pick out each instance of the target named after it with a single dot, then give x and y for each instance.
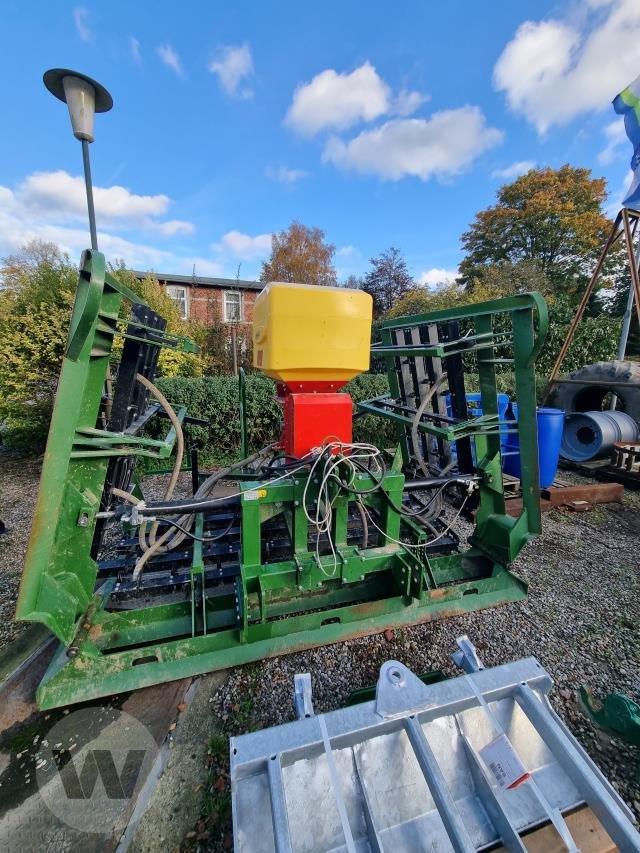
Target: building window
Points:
(179, 295)
(232, 306)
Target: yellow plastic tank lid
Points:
(309, 333)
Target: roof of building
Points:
(202, 281)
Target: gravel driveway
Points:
(581, 620)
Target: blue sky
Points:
(382, 123)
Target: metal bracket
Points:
(466, 657)
(302, 695)
(399, 691)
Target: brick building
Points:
(205, 299)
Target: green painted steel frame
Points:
(59, 575)
(274, 608)
(94, 672)
(498, 535)
(279, 607)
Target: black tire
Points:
(591, 386)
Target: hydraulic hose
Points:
(187, 519)
(177, 465)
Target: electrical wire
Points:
(202, 505)
(331, 455)
(423, 544)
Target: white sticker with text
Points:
(503, 761)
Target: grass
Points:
(216, 801)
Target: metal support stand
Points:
(626, 223)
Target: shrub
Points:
(215, 398)
(35, 305)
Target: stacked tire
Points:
(591, 427)
(590, 386)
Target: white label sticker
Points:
(503, 761)
(251, 495)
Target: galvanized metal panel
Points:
(415, 782)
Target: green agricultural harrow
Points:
(298, 552)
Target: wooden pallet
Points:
(587, 831)
(600, 469)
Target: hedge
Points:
(215, 399)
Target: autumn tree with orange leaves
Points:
(548, 221)
(300, 254)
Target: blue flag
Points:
(627, 104)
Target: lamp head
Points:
(82, 95)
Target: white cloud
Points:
(521, 167)
(60, 195)
(170, 227)
(407, 103)
(555, 70)
(51, 206)
(346, 251)
(286, 175)
(134, 49)
(235, 244)
(436, 276)
(233, 65)
(616, 136)
(338, 101)
(19, 223)
(439, 146)
(333, 101)
(81, 20)
(170, 58)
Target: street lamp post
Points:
(84, 97)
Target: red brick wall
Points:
(206, 305)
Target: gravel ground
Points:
(581, 620)
(18, 492)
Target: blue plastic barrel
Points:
(550, 426)
(474, 410)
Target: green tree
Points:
(388, 280)
(352, 281)
(422, 300)
(300, 254)
(37, 289)
(552, 218)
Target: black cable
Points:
(200, 538)
(270, 468)
(428, 511)
(188, 506)
(378, 486)
(366, 470)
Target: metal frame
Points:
(625, 225)
(419, 348)
(262, 590)
(406, 772)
